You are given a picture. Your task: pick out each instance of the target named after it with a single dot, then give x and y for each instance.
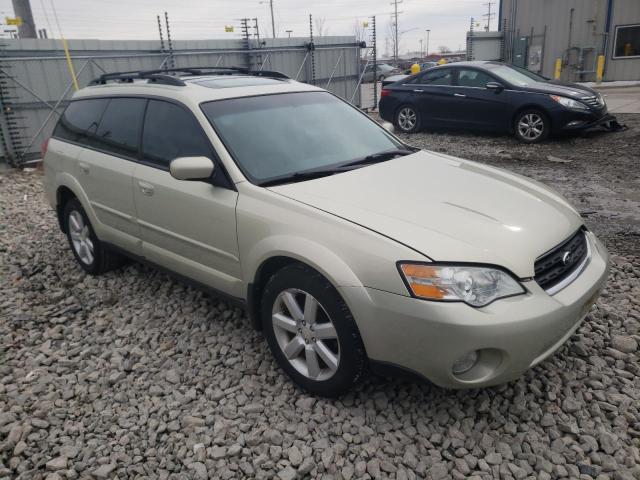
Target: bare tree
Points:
(359, 31)
(444, 49)
(391, 37)
(319, 24)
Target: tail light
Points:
(43, 147)
(384, 93)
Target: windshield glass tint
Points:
(271, 136)
(515, 76)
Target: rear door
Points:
(476, 106)
(432, 93)
(186, 226)
(105, 169)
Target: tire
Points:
(408, 119)
(531, 126)
(328, 366)
(90, 252)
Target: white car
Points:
(349, 249)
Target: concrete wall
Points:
(34, 72)
(578, 37)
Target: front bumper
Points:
(570, 121)
(512, 334)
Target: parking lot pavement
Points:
(622, 100)
(619, 100)
(135, 375)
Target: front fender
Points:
(314, 254)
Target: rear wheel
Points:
(311, 332)
(531, 126)
(407, 119)
(90, 253)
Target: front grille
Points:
(556, 265)
(595, 101)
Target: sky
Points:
(447, 20)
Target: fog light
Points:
(465, 363)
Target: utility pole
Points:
(273, 22)
(421, 54)
(395, 25)
(22, 9)
(427, 49)
(488, 15)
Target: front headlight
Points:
(569, 102)
(476, 286)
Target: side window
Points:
(80, 118)
(119, 130)
(440, 76)
(473, 78)
(170, 132)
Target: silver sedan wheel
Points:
(407, 119)
(305, 334)
(531, 126)
(80, 238)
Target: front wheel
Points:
(531, 126)
(407, 119)
(311, 332)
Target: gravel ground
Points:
(133, 375)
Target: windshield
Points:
(515, 75)
(272, 136)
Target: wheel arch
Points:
(275, 253)
(67, 188)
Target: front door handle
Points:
(146, 188)
(84, 168)
(459, 95)
(418, 91)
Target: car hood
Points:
(566, 89)
(448, 209)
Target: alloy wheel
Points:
(305, 334)
(80, 237)
(531, 126)
(407, 119)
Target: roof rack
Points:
(162, 75)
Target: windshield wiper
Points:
(300, 176)
(380, 157)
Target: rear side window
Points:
(170, 132)
(119, 129)
(81, 118)
(440, 76)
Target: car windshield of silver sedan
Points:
(298, 136)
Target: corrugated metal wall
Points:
(575, 32)
(35, 76)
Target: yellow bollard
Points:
(600, 69)
(415, 68)
(72, 71)
(556, 74)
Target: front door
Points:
(476, 106)
(186, 226)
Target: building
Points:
(539, 32)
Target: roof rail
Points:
(129, 77)
(221, 71)
(162, 75)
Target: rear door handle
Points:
(418, 91)
(84, 168)
(459, 95)
(146, 188)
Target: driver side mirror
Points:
(495, 86)
(191, 168)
